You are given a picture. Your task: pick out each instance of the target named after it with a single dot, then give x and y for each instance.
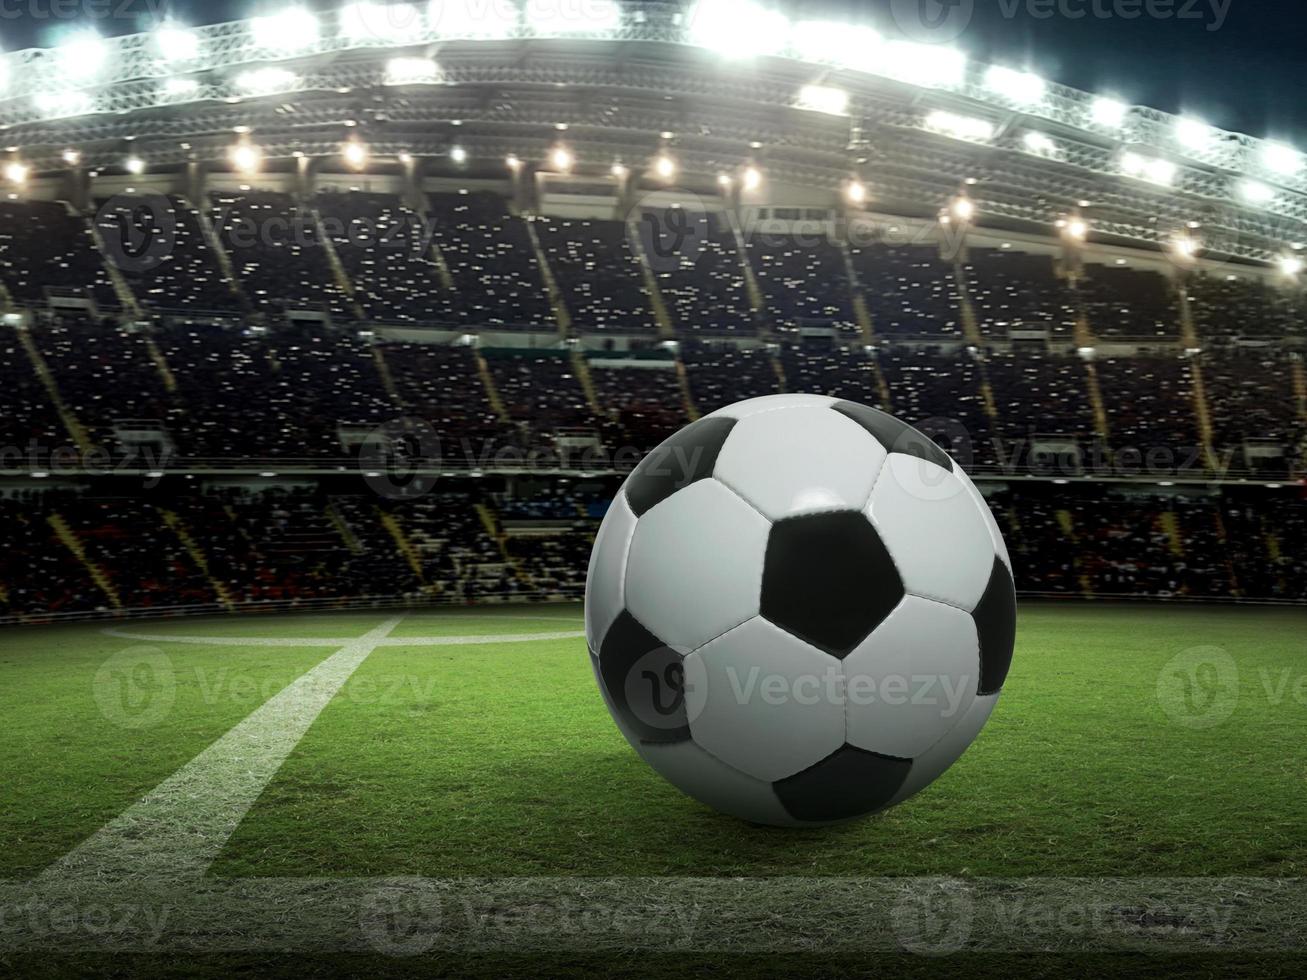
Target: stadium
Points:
(329, 339)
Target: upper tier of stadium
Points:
(714, 91)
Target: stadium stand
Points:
(910, 291)
(598, 274)
(703, 283)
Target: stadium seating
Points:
(45, 246)
(385, 250)
(1018, 291)
(1124, 302)
(803, 281)
(185, 276)
(597, 273)
(909, 290)
(702, 284)
(277, 253)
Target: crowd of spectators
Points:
(1014, 291)
(320, 542)
(699, 271)
(597, 273)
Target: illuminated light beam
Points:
(738, 28)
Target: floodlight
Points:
(245, 157)
(15, 172)
(1039, 143)
(458, 154)
(71, 157)
(964, 209)
(55, 104)
(824, 98)
(561, 158)
(1108, 112)
(855, 191)
(1291, 265)
(82, 56)
(664, 166)
(1077, 228)
(751, 179)
(1021, 87)
(176, 43)
(738, 28)
(1193, 133)
(1255, 192)
(411, 71)
(134, 166)
(355, 153)
(261, 81)
(1281, 158)
(959, 127)
(176, 87)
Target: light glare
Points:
(738, 28)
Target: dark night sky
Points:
(1236, 63)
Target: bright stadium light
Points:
(928, 65)
(179, 87)
(1157, 171)
(1281, 159)
(1255, 192)
(855, 191)
(71, 157)
(960, 127)
(82, 56)
(824, 98)
(473, 18)
(1193, 133)
(16, 173)
(619, 171)
(664, 166)
(830, 42)
(738, 28)
(963, 209)
(245, 157)
(388, 23)
(458, 154)
(1077, 229)
(592, 17)
(176, 43)
(262, 81)
(1021, 87)
(724, 180)
(1039, 143)
(1109, 113)
(513, 162)
(292, 29)
(61, 104)
(1185, 246)
(355, 153)
(560, 158)
(1290, 265)
(412, 71)
(751, 179)
(134, 166)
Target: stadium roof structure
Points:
(727, 83)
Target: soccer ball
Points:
(799, 610)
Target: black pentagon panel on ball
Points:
(828, 579)
(894, 435)
(847, 783)
(645, 680)
(676, 462)
(996, 625)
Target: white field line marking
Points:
(336, 641)
(176, 831)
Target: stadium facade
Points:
(380, 303)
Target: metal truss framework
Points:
(617, 91)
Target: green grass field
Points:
(498, 759)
